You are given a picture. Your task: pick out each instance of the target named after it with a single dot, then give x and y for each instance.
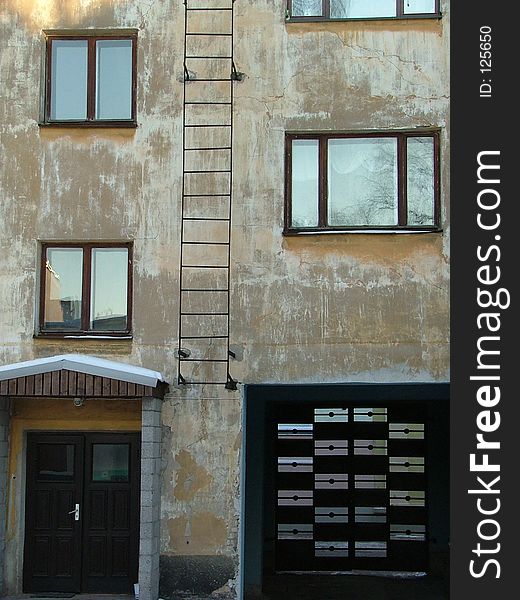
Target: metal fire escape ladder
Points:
(209, 72)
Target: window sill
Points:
(429, 16)
(358, 230)
(90, 124)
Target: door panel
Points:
(111, 513)
(121, 511)
(99, 551)
(52, 552)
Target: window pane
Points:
(114, 79)
(420, 180)
(304, 183)
(359, 9)
(55, 462)
(63, 284)
(362, 181)
(418, 7)
(109, 292)
(110, 462)
(69, 80)
(306, 8)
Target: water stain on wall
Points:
(190, 477)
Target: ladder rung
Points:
(196, 79)
(204, 267)
(210, 57)
(213, 34)
(205, 219)
(209, 103)
(204, 290)
(206, 149)
(203, 337)
(209, 8)
(212, 360)
(204, 314)
(205, 195)
(208, 171)
(217, 360)
(204, 382)
(206, 243)
(210, 125)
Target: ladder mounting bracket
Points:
(189, 75)
(230, 384)
(236, 75)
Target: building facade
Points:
(254, 198)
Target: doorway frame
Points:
(70, 378)
(83, 439)
(149, 501)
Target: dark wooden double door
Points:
(82, 512)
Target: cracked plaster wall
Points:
(307, 309)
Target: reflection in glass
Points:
(361, 9)
(69, 80)
(63, 283)
(55, 462)
(110, 462)
(114, 79)
(362, 182)
(418, 7)
(306, 8)
(109, 292)
(420, 180)
(304, 183)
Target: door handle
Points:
(75, 512)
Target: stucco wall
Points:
(329, 308)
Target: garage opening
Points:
(345, 480)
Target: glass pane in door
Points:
(110, 462)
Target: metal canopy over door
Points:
(82, 513)
(350, 487)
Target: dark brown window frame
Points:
(90, 121)
(84, 330)
(323, 138)
(400, 14)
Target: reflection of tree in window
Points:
(363, 188)
(420, 180)
(306, 8)
(360, 9)
(362, 179)
(345, 9)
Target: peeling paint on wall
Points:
(190, 477)
(202, 533)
